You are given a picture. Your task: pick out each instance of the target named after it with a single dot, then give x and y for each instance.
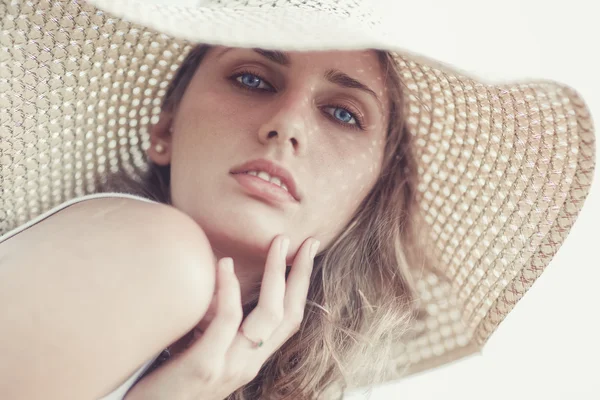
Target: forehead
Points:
(358, 63)
(363, 62)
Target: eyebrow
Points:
(277, 57)
(341, 79)
(334, 76)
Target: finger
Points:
(268, 313)
(299, 280)
(217, 338)
(272, 290)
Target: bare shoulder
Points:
(143, 225)
(155, 237)
(130, 213)
(104, 283)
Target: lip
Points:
(272, 169)
(260, 188)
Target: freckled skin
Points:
(219, 125)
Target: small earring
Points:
(159, 148)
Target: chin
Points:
(241, 232)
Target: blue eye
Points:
(343, 115)
(250, 80)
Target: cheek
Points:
(209, 123)
(213, 105)
(342, 186)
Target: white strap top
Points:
(119, 392)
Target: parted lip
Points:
(272, 169)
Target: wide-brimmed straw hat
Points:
(504, 168)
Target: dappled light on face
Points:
(334, 160)
(343, 187)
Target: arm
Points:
(82, 292)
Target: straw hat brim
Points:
(504, 169)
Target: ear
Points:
(161, 134)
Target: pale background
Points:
(549, 346)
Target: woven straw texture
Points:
(505, 168)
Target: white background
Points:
(549, 345)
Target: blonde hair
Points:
(361, 299)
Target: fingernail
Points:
(314, 248)
(285, 244)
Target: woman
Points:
(306, 110)
(406, 172)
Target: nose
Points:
(287, 123)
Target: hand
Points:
(223, 359)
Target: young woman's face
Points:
(320, 115)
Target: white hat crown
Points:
(343, 7)
(319, 24)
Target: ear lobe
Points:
(161, 135)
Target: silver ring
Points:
(255, 344)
